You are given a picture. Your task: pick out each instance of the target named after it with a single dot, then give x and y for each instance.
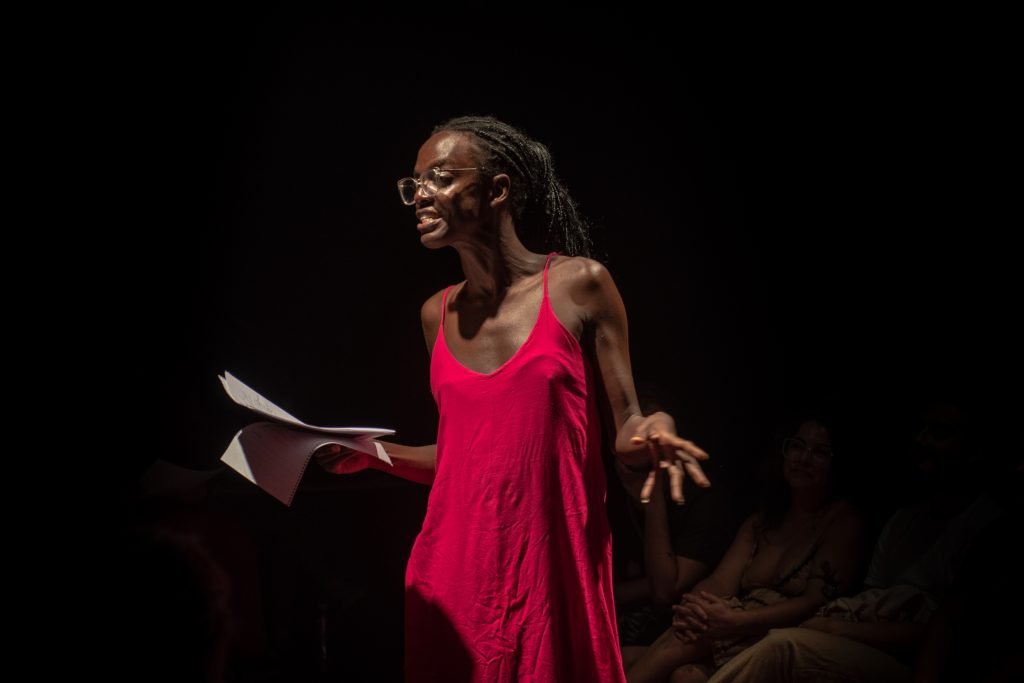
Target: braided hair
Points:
(545, 203)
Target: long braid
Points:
(545, 204)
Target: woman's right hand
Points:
(689, 621)
(338, 459)
(657, 433)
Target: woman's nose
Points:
(421, 191)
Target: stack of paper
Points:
(274, 455)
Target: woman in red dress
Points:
(510, 577)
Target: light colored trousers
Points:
(803, 655)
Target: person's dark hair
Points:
(540, 202)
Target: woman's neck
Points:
(492, 267)
(807, 502)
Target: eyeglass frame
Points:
(804, 449)
(427, 191)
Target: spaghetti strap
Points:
(546, 263)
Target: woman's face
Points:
(459, 208)
(807, 457)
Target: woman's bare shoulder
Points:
(430, 312)
(581, 278)
(578, 268)
(430, 317)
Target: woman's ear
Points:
(501, 185)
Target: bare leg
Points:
(664, 656)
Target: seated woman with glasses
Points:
(920, 560)
(510, 577)
(786, 561)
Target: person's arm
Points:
(690, 619)
(638, 439)
(835, 567)
(669, 574)
(415, 463)
(631, 591)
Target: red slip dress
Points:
(510, 577)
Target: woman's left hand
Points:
(657, 432)
(720, 620)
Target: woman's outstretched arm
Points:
(638, 438)
(415, 463)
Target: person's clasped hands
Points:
(703, 615)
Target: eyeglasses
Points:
(433, 180)
(794, 448)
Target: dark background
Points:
(790, 222)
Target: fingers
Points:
(651, 480)
(351, 462)
(688, 447)
(675, 481)
(673, 441)
(648, 487)
(686, 467)
(686, 635)
(693, 449)
(328, 454)
(677, 472)
(691, 608)
(711, 598)
(688, 625)
(671, 445)
(697, 474)
(683, 618)
(679, 456)
(693, 630)
(330, 463)
(338, 459)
